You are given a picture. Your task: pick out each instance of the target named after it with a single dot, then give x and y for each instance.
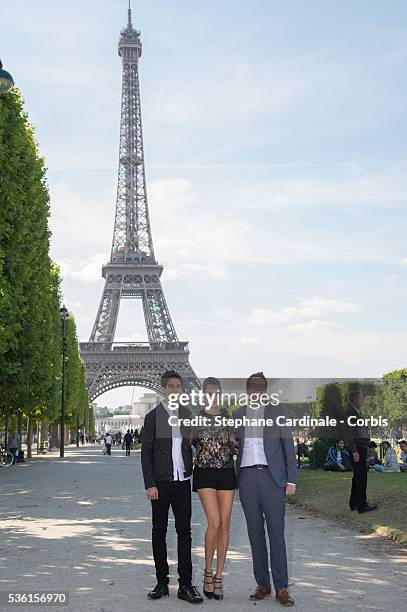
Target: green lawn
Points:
(328, 493)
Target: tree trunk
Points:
(44, 435)
(29, 437)
(20, 426)
(54, 436)
(6, 429)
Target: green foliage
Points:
(30, 324)
(329, 403)
(394, 396)
(296, 410)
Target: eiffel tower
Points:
(133, 271)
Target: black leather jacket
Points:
(156, 447)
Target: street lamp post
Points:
(6, 80)
(64, 316)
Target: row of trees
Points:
(386, 397)
(30, 295)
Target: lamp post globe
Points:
(6, 80)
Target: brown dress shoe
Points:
(284, 597)
(261, 593)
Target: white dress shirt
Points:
(253, 447)
(177, 459)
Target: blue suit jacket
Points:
(278, 446)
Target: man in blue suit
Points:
(266, 470)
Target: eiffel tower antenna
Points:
(132, 271)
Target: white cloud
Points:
(245, 340)
(88, 270)
(78, 224)
(313, 326)
(307, 309)
(209, 270)
(224, 314)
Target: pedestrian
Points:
(266, 471)
(128, 442)
(108, 442)
(14, 445)
(166, 459)
(214, 480)
(358, 441)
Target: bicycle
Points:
(6, 457)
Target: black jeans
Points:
(359, 480)
(176, 494)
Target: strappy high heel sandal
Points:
(208, 579)
(217, 583)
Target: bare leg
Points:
(210, 505)
(225, 502)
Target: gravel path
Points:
(82, 524)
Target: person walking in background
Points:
(166, 460)
(128, 440)
(390, 461)
(214, 480)
(337, 459)
(358, 439)
(108, 442)
(266, 471)
(14, 445)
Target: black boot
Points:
(189, 593)
(367, 508)
(160, 590)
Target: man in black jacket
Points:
(166, 459)
(358, 441)
(128, 439)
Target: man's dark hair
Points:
(386, 442)
(402, 442)
(354, 394)
(170, 374)
(211, 380)
(255, 375)
(372, 444)
(339, 440)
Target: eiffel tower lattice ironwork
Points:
(132, 272)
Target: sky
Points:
(275, 149)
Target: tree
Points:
(25, 298)
(395, 397)
(30, 324)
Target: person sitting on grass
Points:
(337, 459)
(372, 458)
(403, 455)
(390, 462)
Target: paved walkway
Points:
(82, 524)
